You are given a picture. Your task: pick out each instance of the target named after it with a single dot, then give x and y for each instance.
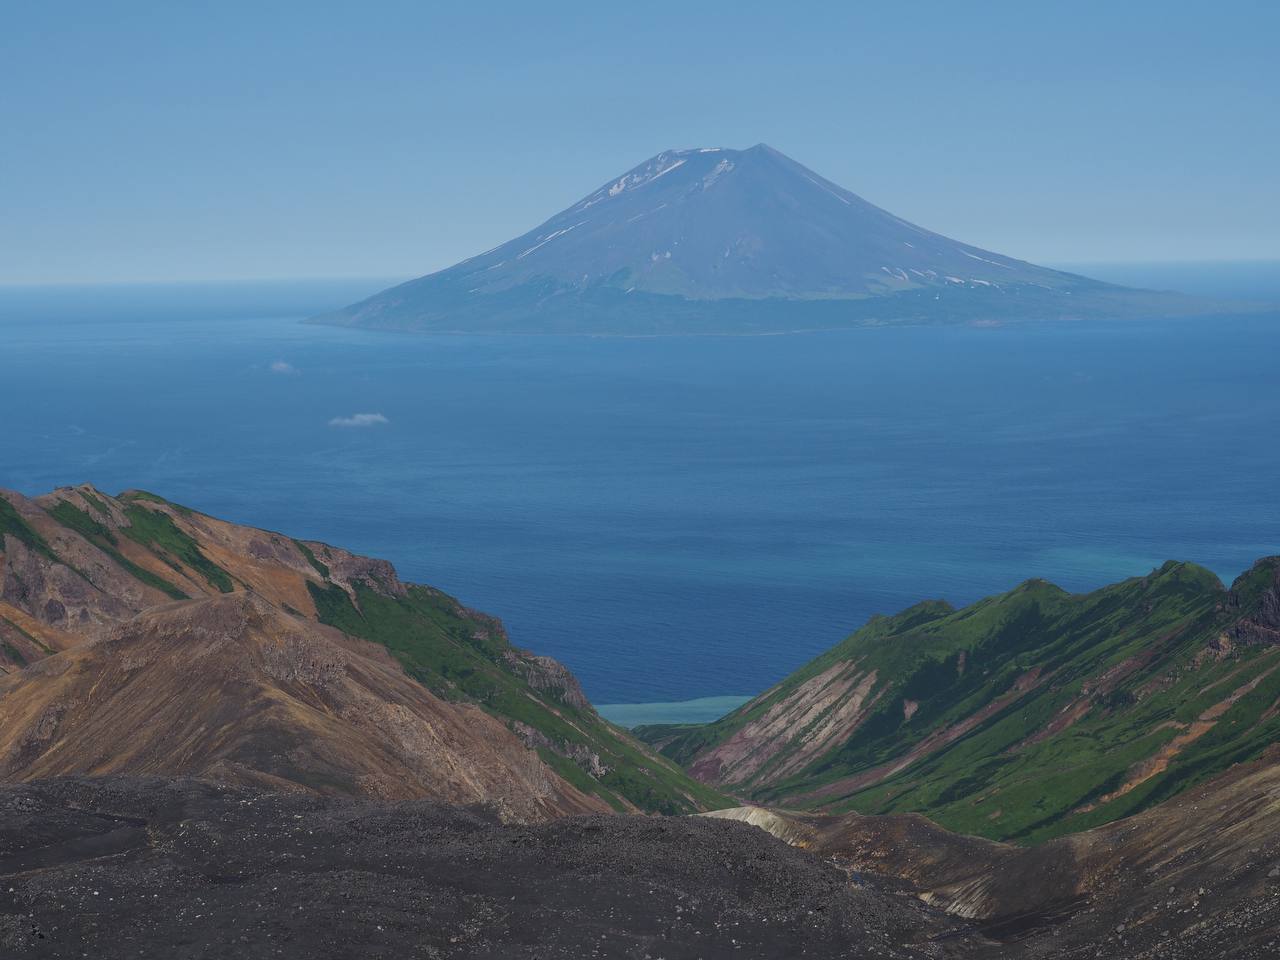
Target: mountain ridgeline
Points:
(1021, 717)
(312, 752)
(719, 241)
(141, 637)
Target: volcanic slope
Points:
(1022, 717)
(126, 867)
(723, 241)
(139, 636)
(1194, 878)
(121, 867)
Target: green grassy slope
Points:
(101, 536)
(157, 532)
(1104, 703)
(462, 655)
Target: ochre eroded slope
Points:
(138, 636)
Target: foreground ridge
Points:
(379, 772)
(235, 873)
(139, 636)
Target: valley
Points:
(1021, 717)
(428, 533)
(221, 736)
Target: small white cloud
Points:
(359, 420)
(283, 367)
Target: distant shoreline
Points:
(1232, 310)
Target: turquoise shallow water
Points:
(701, 710)
(675, 519)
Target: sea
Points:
(682, 521)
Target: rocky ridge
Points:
(139, 636)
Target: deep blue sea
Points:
(672, 518)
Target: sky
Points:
(175, 142)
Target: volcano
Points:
(712, 240)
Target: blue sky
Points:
(172, 141)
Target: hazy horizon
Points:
(396, 140)
(1068, 265)
(1250, 280)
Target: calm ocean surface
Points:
(674, 519)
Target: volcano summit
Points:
(711, 240)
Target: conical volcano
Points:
(711, 240)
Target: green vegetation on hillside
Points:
(72, 517)
(458, 654)
(156, 531)
(36, 641)
(11, 522)
(1113, 701)
(460, 657)
(320, 568)
(156, 498)
(101, 536)
(94, 501)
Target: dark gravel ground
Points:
(183, 869)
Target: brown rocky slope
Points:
(141, 637)
(1194, 878)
